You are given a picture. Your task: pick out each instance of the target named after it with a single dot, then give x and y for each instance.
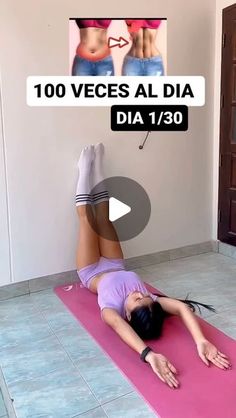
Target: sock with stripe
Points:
(100, 193)
(83, 189)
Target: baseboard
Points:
(35, 285)
(47, 282)
(227, 250)
(173, 254)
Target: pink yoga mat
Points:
(204, 392)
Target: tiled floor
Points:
(53, 368)
(3, 411)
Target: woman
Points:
(126, 305)
(143, 58)
(93, 57)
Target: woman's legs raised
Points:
(109, 248)
(88, 245)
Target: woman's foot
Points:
(86, 158)
(98, 174)
(83, 190)
(99, 191)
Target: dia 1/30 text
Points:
(156, 118)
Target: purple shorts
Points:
(86, 274)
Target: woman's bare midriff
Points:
(93, 44)
(144, 44)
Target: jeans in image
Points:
(82, 66)
(143, 66)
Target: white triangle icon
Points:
(117, 209)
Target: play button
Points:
(117, 209)
(129, 209)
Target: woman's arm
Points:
(175, 307)
(123, 329)
(207, 351)
(160, 365)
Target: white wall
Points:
(43, 144)
(220, 5)
(5, 275)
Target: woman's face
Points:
(136, 300)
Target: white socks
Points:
(100, 194)
(90, 174)
(83, 189)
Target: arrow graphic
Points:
(112, 42)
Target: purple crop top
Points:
(114, 288)
(93, 23)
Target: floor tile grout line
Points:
(108, 402)
(104, 411)
(72, 361)
(32, 378)
(2, 402)
(90, 410)
(14, 297)
(12, 412)
(118, 370)
(77, 368)
(52, 334)
(120, 396)
(37, 313)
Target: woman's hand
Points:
(209, 354)
(163, 368)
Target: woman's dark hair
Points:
(147, 321)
